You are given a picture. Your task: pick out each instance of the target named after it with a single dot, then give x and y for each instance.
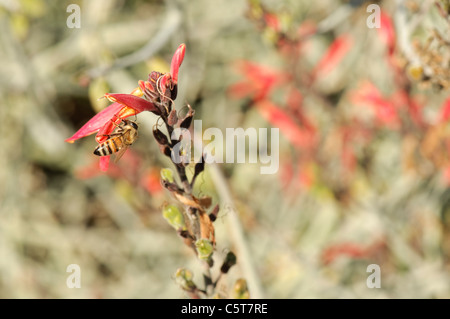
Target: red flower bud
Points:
(177, 59)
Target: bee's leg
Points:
(115, 134)
(107, 135)
(111, 135)
(117, 118)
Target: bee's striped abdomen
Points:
(108, 147)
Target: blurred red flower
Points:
(333, 56)
(387, 32)
(259, 81)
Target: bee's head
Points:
(131, 123)
(134, 125)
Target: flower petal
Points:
(142, 85)
(177, 59)
(163, 83)
(107, 129)
(104, 163)
(132, 101)
(137, 91)
(96, 123)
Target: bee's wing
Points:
(120, 153)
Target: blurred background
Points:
(361, 103)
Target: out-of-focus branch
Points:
(404, 30)
(335, 19)
(170, 24)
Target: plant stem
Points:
(237, 234)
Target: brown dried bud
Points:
(172, 187)
(172, 119)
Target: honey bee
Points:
(118, 142)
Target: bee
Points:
(118, 142)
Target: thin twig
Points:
(235, 227)
(242, 250)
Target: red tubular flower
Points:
(259, 81)
(306, 29)
(176, 63)
(162, 87)
(147, 97)
(333, 56)
(387, 32)
(385, 109)
(445, 111)
(353, 250)
(96, 123)
(151, 181)
(277, 117)
(272, 21)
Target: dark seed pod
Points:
(214, 213)
(184, 233)
(199, 167)
(160, 137)
(166, 150)
(186, 123)
(187, 120)
(230, 261)
(173, 92)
